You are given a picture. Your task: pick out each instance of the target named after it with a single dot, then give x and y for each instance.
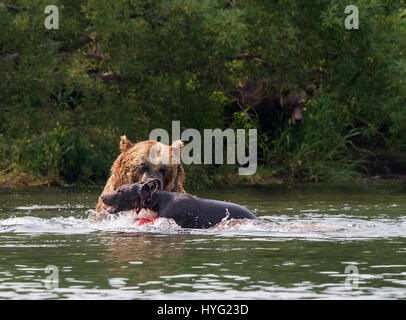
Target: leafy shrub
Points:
(127, 67)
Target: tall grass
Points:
(59, 156)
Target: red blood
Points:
(142, 221)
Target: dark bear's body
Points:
(187, 211)
(197, 213)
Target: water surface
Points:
(311, 240)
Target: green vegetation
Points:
(129, 66)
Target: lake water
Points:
(313, 242)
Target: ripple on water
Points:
(299, 249)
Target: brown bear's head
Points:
(145, 160)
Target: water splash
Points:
(313, 225)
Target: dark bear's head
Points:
(298, 102)
(293, 104)
(131, 196)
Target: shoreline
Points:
(25, 181)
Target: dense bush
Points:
(127, 67)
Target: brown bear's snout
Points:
(297, 116)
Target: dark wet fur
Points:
(186, 210)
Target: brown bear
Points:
(272, 109)
(145, 160)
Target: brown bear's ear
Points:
(125, 144)
(178, 144)
(151, 185)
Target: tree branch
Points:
(10, 7)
